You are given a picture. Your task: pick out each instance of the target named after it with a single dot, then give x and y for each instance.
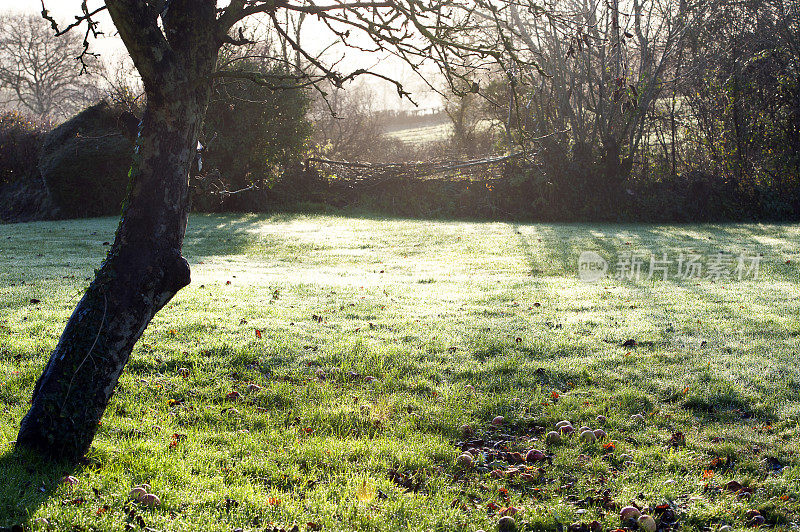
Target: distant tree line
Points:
(636, 110)
(690, 109)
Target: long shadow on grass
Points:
(561, 245)
(26, 482)
(559, 249)
(212, 235)
(220, 235)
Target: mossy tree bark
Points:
(144, 268)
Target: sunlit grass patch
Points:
(358, 348)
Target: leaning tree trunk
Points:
(174, 48)
(142, 272)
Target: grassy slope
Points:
(432, 133)
(426, 308)
(424, 134)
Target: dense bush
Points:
(23, 195)
(254, 135)
(85, 162)
(20, 141)
(522, 191)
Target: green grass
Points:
(425, 308)
(433, 133)
(423, 134)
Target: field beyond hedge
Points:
(359, 348)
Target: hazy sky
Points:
(112, 49)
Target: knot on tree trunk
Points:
(177, 275)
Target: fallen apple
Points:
(498, 421)
(629, 512)
(137, 493)
(467, 431)
(534, 455)
(600, 434)
(464, 460)
(733, 486)
(562, 424)
(588, 436)
(553, 438)
(233, 396)
(506, 524)
(647, 523)
(637, 418)
(601, 419)
(150, 500)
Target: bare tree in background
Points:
(741, 91)
(39, 72)
(346, 126)
(602, 66)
